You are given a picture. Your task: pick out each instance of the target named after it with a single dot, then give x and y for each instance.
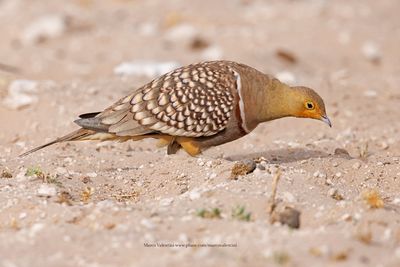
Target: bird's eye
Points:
(310, 105)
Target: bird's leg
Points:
(164, 140)
(189, 145)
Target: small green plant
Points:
(209, 214)
(47, 178)
(281, 257)
(363, 151)
(240, 214)
(34, 171)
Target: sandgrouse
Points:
(198, 106)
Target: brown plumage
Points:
(198, 106)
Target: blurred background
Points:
(87, 39)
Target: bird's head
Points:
(306, 103)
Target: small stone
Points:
(46, 27)
(319, 174)
(145, 68)
(371, 51)
(91, 174)
(21, 93)
(242, 168)
(384, 145)
(166, 202)
(338, 174)
(61, 171)
(35, 229)
(261, 167)
(182, 33)
(334, 193)
(148, 224)
(194, 194)
(213, 175)
(370, 93)
(288, 216)
(288, 197)
(341, 152)
(356, 165)
(46, 190)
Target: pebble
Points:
(261, 167)
(194, 194)
(384, 145)
(334, 193)
(166, 201)
(370, 93)
(21, 93)
(288, 216)
(242, 168)
(182, 33)
(46, 190)
(149, 69)
(45, 27)
(148, 224)
(91, 174)
(35, 229)
(342, 152)
(371, 52)
(288, 197)
(61, 170)
(319, 174)
(356, 165)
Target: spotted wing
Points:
(192, 101)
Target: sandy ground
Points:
(111, 204)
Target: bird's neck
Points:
(277, 102)
(265, 98)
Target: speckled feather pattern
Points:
(192, 101)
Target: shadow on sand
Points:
(285, 155)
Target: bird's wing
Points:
(191, 101)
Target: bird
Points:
(198, 106)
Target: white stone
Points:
(61, 170)
(21, 93)
(370, 93)
(181, 33)
(356, 165)
(371, 51)
(46, 190)
(35, 229)
(48, 26)
(146, 68)
(166, 201)
(288, 197)
(91, 174)
(148, 224)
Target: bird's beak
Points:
(326, 120)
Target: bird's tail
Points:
(80, 134)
